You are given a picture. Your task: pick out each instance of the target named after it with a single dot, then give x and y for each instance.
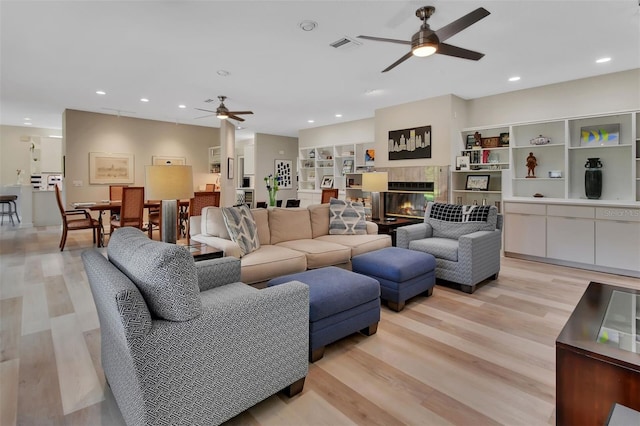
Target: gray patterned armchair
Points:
(186, 343)
(465, 240)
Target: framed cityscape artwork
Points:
(410, 143)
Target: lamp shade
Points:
(375, 182)
(168, 182)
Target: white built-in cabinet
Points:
(331, 163)
(586, 235)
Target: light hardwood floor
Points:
(453, 358)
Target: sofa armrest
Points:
(228, 247)
(482, 251)
(406, 234)
(372, 228)
(241, 350)
(217, 272)
(195, 223)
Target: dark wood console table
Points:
(389, 227)
(598, 356)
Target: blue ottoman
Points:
(402, 273)
(341, 303)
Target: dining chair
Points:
(115, 194)
(131, 208)
(327, 194)
(69, 224)
(199, 201)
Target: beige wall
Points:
(86, 132)
(357, 131)
(269, 148)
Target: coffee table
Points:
(201, 251)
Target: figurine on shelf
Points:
(532, 162)
(477, 138)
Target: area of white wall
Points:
(356, 131)
(87, 132)
(269, 148)
(434, 112)
(594, 95)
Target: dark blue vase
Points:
(593, 178)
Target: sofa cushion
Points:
(453, 221)
(319, 219)
(320, 253)
(441, 248)
(164, 273)
(212, 223)
(359, 243)
(288, 224)
(242, 228)
(346, 218)
(261, 216)
(269, 262)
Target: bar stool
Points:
(9, 201)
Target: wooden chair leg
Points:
(63, 241)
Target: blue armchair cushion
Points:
(346, 218)
(452, 221)
(164, 273)
(242, 228)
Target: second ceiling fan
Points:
(427, 42)
(222, 112)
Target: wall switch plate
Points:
(77, 183)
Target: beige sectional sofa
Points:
(291, 240)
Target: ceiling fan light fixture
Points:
(424, 50)
(222, 115)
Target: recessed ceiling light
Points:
(239, 127)
(602, 60)
(182, 106)
(27, 119)
(55, 136)
(101, 92)
(144, 100)
(310, 121)
(223, 73)
(516, 78)
(26, 123)
(338, 115)
(372, 91)
(308, 25)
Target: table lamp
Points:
(168, 183)
(375, 182)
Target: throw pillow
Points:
(212, 223)
(346, 218)
(453, 221)
(242, 228)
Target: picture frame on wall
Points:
(110, 168)
(477, 183)
(284, 170)
(327, 181)
(409, 144)
(230, 169)
(160, 160)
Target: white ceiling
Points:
(56, 54)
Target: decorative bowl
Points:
(540, 140)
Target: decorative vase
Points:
(593, 178)
(272, 198)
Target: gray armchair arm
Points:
(408, 233)
(217, 272)
(481, 250)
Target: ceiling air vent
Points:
(345, 43)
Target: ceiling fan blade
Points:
(204, 116)
(389, 40)
(398, 62)
(460, 24)
(235, 117)
(240, 112)
(207, 110)
(459, 52)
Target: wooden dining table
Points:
(114, 206)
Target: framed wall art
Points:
(159, 160)
(410, 143)
(327, 182)
(230, 168)
(477, 183)
(462, 162)
(284, 169)
(110, 168)
(604, 135)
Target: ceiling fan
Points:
(222, 112)
(427, 42)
